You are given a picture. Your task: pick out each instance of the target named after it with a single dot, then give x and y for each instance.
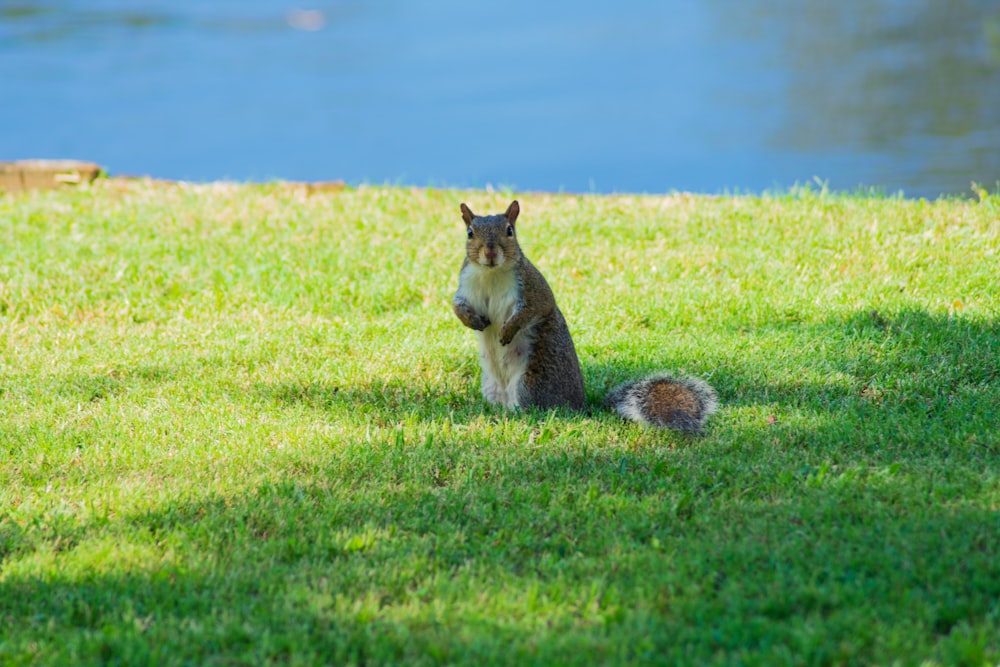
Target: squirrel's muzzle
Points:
(490, 255)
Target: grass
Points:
(240, 425)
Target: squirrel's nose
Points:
(490, 252)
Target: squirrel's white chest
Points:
(493, 292)
(496, 294)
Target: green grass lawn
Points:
(240, 425)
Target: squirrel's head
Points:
(492, 240)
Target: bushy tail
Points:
(681, 403)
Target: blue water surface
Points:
(633, 96)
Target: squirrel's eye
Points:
(510, 230)
(470, 232)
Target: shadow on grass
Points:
(899, 386)
(566, 559)
(859, 526)
(389, 400)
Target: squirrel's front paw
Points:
(507, 335)
(479, 322)
(470, 317)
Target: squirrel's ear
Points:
(512, 212)
(467, 214)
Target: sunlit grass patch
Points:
(241, 425)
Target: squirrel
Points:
(525, 349)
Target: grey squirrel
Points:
(526, 352)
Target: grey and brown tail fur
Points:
(681, 403)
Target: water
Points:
(641, 96)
